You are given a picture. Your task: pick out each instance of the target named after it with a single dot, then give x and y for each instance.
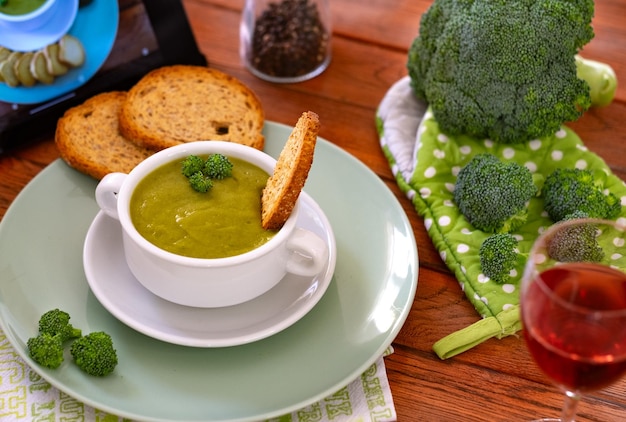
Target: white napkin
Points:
(25, 396)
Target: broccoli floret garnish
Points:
(498, 256)
(568, 190)
(199, 182)
(201, 173)
(57, 322)
(504, 70)
(492, 194)
(54, 329)
(218, 166)
(192, 165)
(95, 354)
(576, 243)
(46, 350)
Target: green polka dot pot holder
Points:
(425, 163)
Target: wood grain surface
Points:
(495, 381)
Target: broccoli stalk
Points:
(95, 354)
(570, 190)
(492, 195)
(504, 70)
(601, 80)
(498, 255)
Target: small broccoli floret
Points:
(218, 166)
(568, 190)
(503, 70)
(200, 182)
(95, 354)
(492, 194)
(192, 165)
(201, 173)
(57, 322)
(575, 243)
(46, 350)
(498, 256)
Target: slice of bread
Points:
(89, 140)
(292, 169)
(185, 103)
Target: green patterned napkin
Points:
(25, 396)
(425, 163)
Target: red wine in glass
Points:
(572, 337)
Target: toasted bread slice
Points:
(22, 70)
(7, 69)
(89, 140)
(71, 51)
(292, 169)
(39, 69)
(184, 103)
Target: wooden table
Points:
(495, 381)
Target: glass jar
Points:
(286, 40)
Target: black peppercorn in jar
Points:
(286, 40)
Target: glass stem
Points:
(568, 414)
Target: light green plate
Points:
(41, 243)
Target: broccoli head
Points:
(199, 182)
(218, 166)
(192, 165)
(46, 349)
(94, 353)
(201, 173)
(575, 243)
(57, 322)
(570, 190)
(492, 194)
(503, 70)
(498, 256)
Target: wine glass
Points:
(573, 306)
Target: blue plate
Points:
(96, 27)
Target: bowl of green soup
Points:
(35, 23)
(205, 247)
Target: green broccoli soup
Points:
(20, 7)
(224, 221)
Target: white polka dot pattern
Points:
(437, 159)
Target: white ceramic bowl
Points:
(31, 20)
(41, 27)
(209, 282)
